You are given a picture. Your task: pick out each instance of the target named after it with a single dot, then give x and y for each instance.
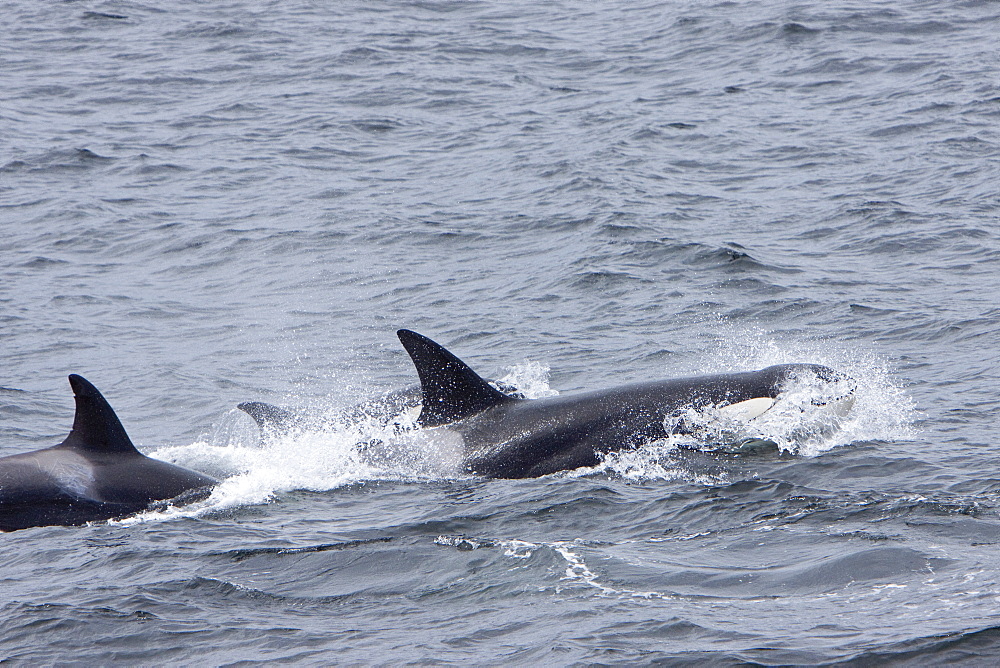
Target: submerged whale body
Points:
(276, 421)
(501, 436)
(95, 474)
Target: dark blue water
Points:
(207, 204)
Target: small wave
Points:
(59, 160)
(798, 29)
(104, 15)
(214, 31)
(971, 648)
(247, 553)
(576, 570)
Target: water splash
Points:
(881, 410)
(254, 473)
(652, 462)
(330, 453)
(811, 417)
(531, 378)
(324, 453)
(807, 418)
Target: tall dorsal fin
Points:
(96, 428)
(450, 389)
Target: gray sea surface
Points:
(208, 203)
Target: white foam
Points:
(649, 462)
(810, 417)
(332, 455)
(576, 573)
(881, 409)
(252, 473)
(531, 378)
(807, 418)
(328, 455)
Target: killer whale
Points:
(277, 421)
(95, 474)
(501, 436)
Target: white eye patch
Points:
(747, 410)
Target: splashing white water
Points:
(324, 454)
(530, 378)
(649, 463)
(811, 416)
(881, 409)
(807, 418)
(330, 454)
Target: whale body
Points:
(277, 421)
(501, 436)
(95, 474)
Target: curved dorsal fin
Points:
(269, 418)
(450, 389)
(96, 428)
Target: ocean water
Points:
(204, 204)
